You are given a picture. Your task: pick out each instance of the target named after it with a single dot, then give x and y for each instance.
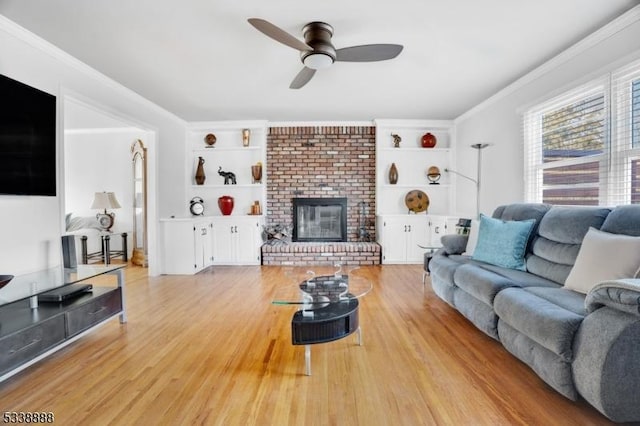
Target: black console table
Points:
(30, 331)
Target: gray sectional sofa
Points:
(581, 345)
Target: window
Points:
(583, 147)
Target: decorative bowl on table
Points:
(4, 280)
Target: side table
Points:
(105, 254)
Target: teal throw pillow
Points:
(503, 243)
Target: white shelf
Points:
(412, 161)
(417, 186)
(223, 186)
(231, 155)
(226, 149)
(416, 149)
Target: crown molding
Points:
(618, 24)
(37, 42)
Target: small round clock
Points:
(196, 206)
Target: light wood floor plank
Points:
(212, 349)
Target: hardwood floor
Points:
(212, 349)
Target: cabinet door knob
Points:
(437, 230)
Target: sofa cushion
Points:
(442, 268)
(503, 243)
(481, 283)
(520, 278)
(604, 256)
(567, 299)
(550, 367)
(560, 234)
(545, 322)
(623, 220)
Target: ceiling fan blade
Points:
(302, 78)
(270, 30)
(368, 53)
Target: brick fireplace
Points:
(322, 162)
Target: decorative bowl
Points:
(4, 280)
(210, 140)
(417, 201)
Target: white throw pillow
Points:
(472, 241)
(603, 257)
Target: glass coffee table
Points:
(328, 305)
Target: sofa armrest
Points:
(622, 295)
(454, 243)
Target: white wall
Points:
(96, 162)
(31, 226)
(499, 122)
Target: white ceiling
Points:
(202, 61)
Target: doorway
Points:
(96, 157)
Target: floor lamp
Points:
(479, 147)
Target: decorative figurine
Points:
(396, 140)
(229, 177)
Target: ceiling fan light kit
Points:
(317, 51)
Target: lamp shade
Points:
(105, 200)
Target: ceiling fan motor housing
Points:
(318, 36)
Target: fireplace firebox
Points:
(319, 219)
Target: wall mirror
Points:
(139, 160)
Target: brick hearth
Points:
(352, 253)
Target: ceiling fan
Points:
(317, 52)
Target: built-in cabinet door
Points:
(437, 228)
(202, 245)
(247, 243)
(236, 240)
(417, 236)
(222, 237)
(180, 247)
(394, 240)
(405, 238)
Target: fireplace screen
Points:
(319, 219)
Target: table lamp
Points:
(104, 201)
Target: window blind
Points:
(565, 144)
(583, 147)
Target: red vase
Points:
(428, 140)
(226, 204)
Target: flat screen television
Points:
(27, 140)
